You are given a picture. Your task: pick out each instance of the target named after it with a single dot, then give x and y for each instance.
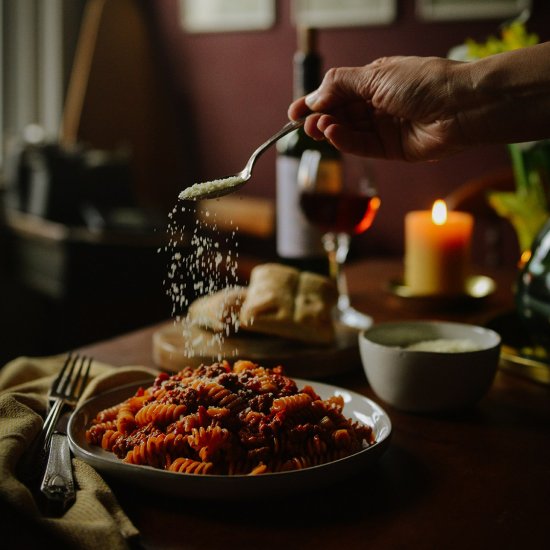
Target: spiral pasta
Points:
(232, 420)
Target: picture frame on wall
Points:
(446, 10)
(343, 13)
(203, 16)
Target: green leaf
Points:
(525, 211)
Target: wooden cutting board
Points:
(298, 359)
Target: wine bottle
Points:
(298, 241)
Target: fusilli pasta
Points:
(223, 419)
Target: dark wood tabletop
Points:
(476, 479)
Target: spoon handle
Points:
(286, 129)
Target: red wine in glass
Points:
(345, 212)
(341, 207)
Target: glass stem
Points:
(337, 247)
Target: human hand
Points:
(395, 108)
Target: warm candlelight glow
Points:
(439, 212)
(366, 222)
(437, 250)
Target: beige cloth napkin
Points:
(95, 520)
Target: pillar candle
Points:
(437, 250)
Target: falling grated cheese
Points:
(198, 273)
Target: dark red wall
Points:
(233, 91)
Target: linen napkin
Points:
(95, 520)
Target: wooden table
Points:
(479, 479)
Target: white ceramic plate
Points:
(226, 487)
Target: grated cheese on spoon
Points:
(199, 190)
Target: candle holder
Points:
(477, 288)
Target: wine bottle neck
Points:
(307, 63)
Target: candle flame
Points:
(439, 212)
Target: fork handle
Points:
(34, 459)
(51, 422)
(58, 484)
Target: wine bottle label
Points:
(296, 237)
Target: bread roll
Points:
(270, 295)
(218, 312)
(285, 302)
(315, 299)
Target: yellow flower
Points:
(512, 37)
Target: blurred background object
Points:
(94, 156)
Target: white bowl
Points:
(429, 381)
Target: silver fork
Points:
(58, 484)
(65, 391)
(62, 392)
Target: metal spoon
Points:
(224, 186)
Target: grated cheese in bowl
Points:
(445, 345)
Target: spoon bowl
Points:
(220, 187)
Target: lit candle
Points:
(437, 250)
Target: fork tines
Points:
(66, 389)
(60, 386)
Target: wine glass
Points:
(341, 205)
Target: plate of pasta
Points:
(225, 431)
